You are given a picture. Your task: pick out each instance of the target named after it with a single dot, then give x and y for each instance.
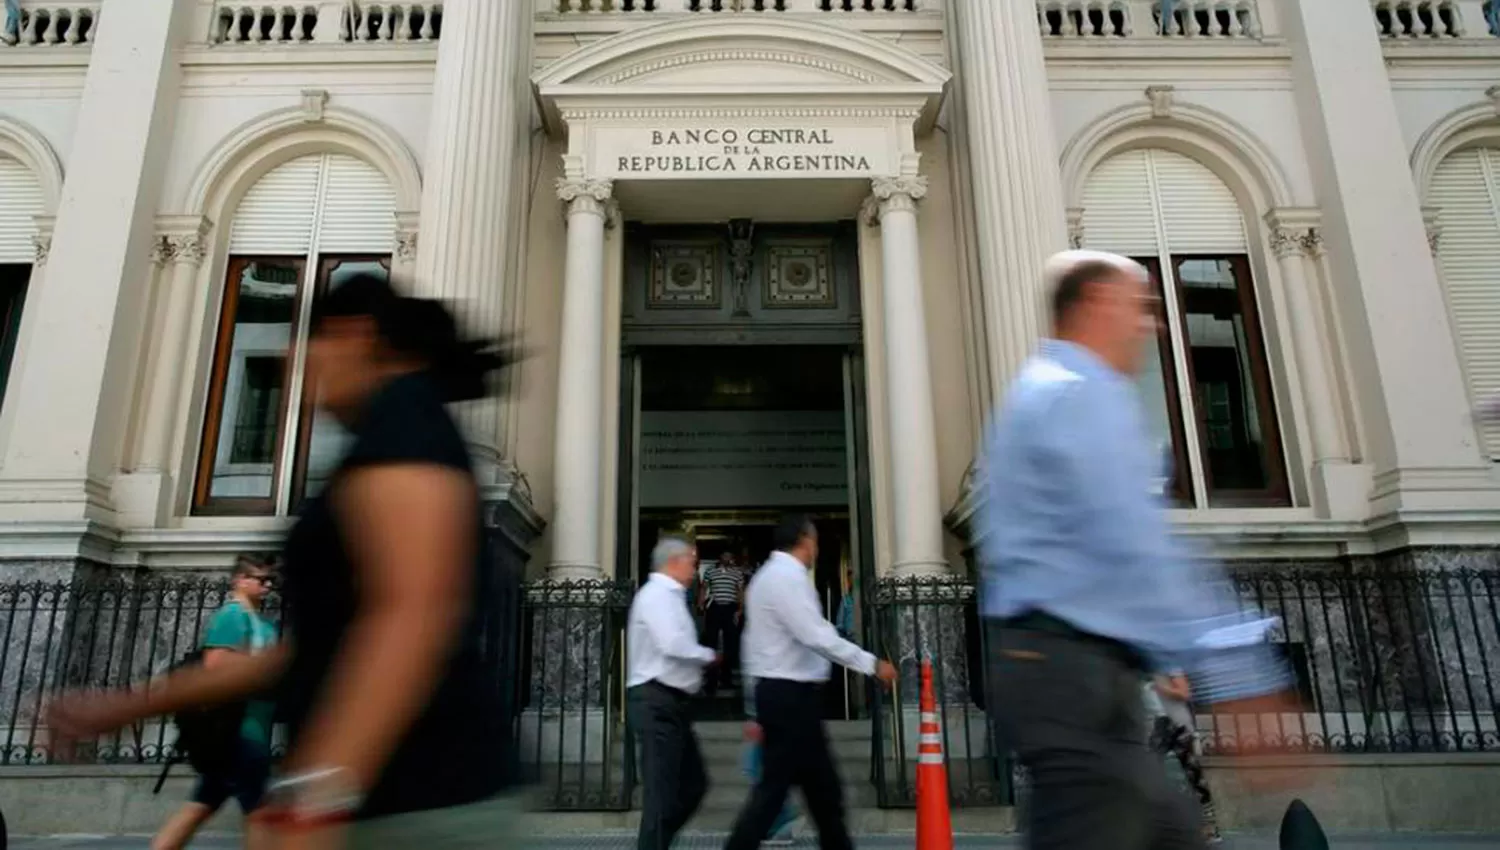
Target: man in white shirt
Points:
(787, 649)
(665, 669)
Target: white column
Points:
(465, 248)
(1421, 437)
(1291, 244)
(915, 500)
(185, 244)
(580, 384)
(71, 387)
(1013, 159)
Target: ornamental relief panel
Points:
(684, 273)
(799, 274)
(741, 274)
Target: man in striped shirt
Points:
(722, 603)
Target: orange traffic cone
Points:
(934, 824)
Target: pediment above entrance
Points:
(739, 67)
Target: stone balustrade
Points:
(239, 22)
(1174, 19)
(50, 25)
(1437, 19)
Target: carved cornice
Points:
(183, 239)
(42, 244)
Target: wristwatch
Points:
(312, 799)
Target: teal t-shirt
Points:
(238, 628)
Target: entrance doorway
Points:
(729, 438)
(742, 398)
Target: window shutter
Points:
(1199, 214)
(277, 214)
(1117, 212)
(359, 209)
(1466, 190)
(21, 201)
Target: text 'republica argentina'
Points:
(753, 151)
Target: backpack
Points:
(207, 738)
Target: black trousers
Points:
(795, 752)
(720, 630)
(672, 777)
(1071, 707)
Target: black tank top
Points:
(456, 751)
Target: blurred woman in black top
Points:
(387, 590)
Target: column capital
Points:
(1294, 231)
(894, 194)
(182, 239)
(1432, 220)
(1075, 227)
(586, 194)
(41, 241)
(407, 236)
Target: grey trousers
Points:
(1072, 711)
(490, 824)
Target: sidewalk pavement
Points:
(712, 841)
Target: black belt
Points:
(1044, 623)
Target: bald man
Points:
(1085, 592)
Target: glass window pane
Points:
(1231, 404)
(254, 377)
(327, 439)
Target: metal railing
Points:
(106, 633)
(1385, 661)
(934, 618)
(576, 743)
(50, 24)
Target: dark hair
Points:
(249, 563)
(1071, 288)
(421, 328)
(790, 531)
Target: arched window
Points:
(1206, 388)
(1466, 190)
(301, 229)
(21, 201)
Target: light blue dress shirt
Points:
(1073, 524)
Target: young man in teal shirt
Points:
(237, 627)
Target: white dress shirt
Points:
(663, 640)
(786, 635)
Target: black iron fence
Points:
(574, 731)
(102, 633)
(1385, 661)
